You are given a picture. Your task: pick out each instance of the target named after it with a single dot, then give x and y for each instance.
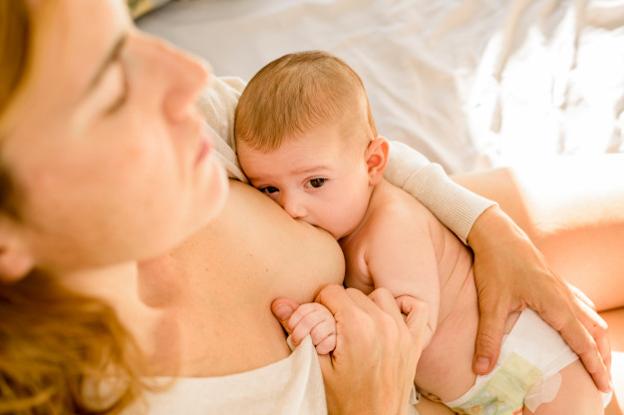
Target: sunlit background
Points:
(470, 83)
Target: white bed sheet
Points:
(469, 83)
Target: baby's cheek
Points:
(343, 221)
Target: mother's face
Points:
(104, 143)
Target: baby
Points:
(306, 137)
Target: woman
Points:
(104, 163)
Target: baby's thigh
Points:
(577, 394)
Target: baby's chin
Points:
(337, 234)
(334, 233)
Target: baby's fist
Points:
(317, 321)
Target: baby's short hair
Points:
(296, 93)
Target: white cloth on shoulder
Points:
(293, 385)
(217, 105)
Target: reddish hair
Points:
(59, 350)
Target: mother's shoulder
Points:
(253, 234)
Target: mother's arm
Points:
(572, 208)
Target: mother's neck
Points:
(112, 284)
(121, 288)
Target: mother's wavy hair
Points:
(60, 352)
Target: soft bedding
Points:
(139, 8)
(469, 83)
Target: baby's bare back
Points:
(376, 255)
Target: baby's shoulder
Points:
(398, 217)
(395, 207)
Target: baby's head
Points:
(306, 137)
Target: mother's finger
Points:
(364, 303)
(386, 302)
(336, 299)
(562, 313)
(580, 295)
(597, 328)
(417, 312)
(579, 339)
(493, 312)
(596, 325)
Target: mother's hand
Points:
(511, 273)
(371, 371)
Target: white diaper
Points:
(527, 371)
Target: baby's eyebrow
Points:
(310, 169)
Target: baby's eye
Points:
(317, 182)
(269, 190)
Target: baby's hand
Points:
(317, 321)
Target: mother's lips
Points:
(205, 147)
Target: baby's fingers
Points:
(321, 332)
(327, 345)
(302, 311)
(305, 325)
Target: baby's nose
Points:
(294, 208)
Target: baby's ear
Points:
(377, 159)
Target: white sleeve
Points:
(455, 206)
(217, 104)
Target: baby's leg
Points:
(577, 394)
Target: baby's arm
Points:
(317, 321)
(400, 257)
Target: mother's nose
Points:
(188, 78)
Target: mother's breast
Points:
(225, 277)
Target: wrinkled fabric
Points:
(293, 385)
(468, 83)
